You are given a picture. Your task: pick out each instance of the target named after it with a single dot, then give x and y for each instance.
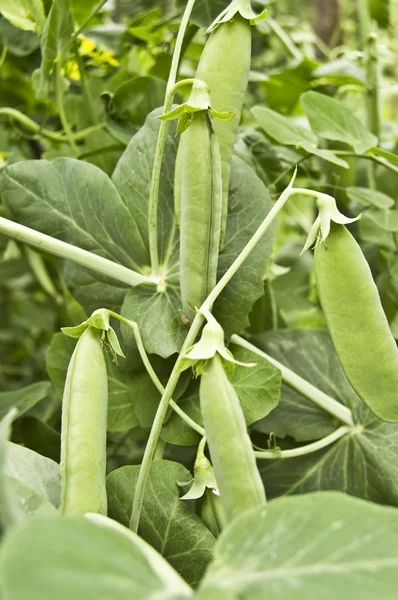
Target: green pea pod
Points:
(84, 424)
(234, 464)
(358, 326)
(224, 66)
(201, 201)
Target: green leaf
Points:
(331, 120)
(57, 33)
(282, 129)
(83, 561)
(363, 463)
(82, 9)
(167, 523)
(368, 197)
(206, 11)
(40, 437)
(287, 133)
(176, 431)
(19, 43)
(24, 14)
(301, 351)
(24, 398)
(258, 387)
(315, 546)
(11, 511)
(59, 198)
(386, 219)
(40, 474)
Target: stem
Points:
(81, 257)
(189, 340)
(59, 92)
(308, 448)
(161, 142)
(159, 450)
(376, 159)
(373, 85)
(285, 39)
(302, 386)
(365, 24)
(147, 364)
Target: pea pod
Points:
(358, 326)
(224, 66)
(238, 479)
(200, 193)
(84, 424)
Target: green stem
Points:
(373, 85)
(365, 23)
(59, 92)
(81, 257)
(161, 142)
(378, 160)
(308, 448)
(147, 364)
(159, 450)
(189, 340)
(284, 38)
(302, 386)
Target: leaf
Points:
(176, 431)
(40, 437)
(24, 398)
(57, 32)
(68, 558)
(10, 510)
(24, 14)
(258, 387)
(363, 463)
(288, 133)
(282, 129)
(314, 546)
(39, 473)
(331, 120)
(82, 10)
(386, 219)
(368, 197)
(59, 198)
(167, 523)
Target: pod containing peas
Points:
(354, 314)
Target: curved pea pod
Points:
(201, 202)
(234, 464)
(225, 66)
(356, 321)
(84, 424)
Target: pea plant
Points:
(199, 292)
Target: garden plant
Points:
(198, 300)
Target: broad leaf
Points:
(60, 198)
(205, 11)
(25, 398)
(167, 522)
(66, 558)
(363, 463)
(315, 546)
(24, 14)
(368, 197)
(82, 10)
(57, 32)
(40, 474)
(288, 133)
(331, 120)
